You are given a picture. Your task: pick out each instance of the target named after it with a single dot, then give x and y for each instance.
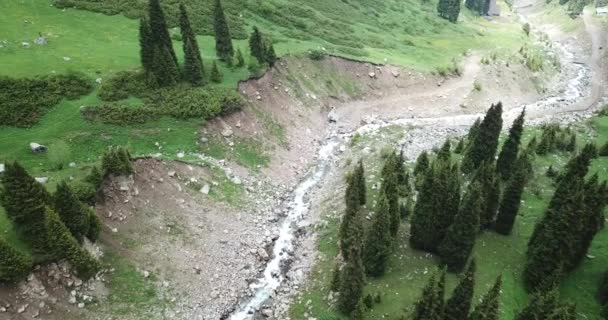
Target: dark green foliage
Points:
(459, 147)
(335, 278)
(351, 228)
(256, 45)
(164, 72)
(488, 308)
(146, 46)
(116, 161)
(24, 101)
(123, 85)
(359, 175)
(193, 63)
(377, 246)
(316, 55)
(368, 301)
(240, 60)
(95, 177)
(216, 75)
(94, 223)
(602, 292)
(554, 138)
(359, 312)
(483, 147)
(422, 163)
(117, 114)
(604, 150)
(64, 246)
(430, 305)
(511, 199)
(480, 7)
(473, 131)
(393, 167)
(159, 30)
(352, 281)
(551, 172)
(508, 154)
(406, 208)
(545, 305)
(458, 305)
(437, 205)
(24, 200)
(156, 48)
(85, 192)
(445, 152)
(14, 265)
(459, 241)
(490, 189)
(223, 39)
(270, 55)
(71, 211)
(449, 10)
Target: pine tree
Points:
(223, 40)
(70, 211)
(377, 247)
(483, 147)
(361, 184)
(449, 10)
(458, 305)
(488, 308)
(402, 176)
(459, 147)
(511, 200)
(159, 29)
(545, 305)
(389, 188)
(256, 45)
(240, 60)
(351, 228)
(216, 75)
(352, 281)
(146, 45)
(193, 63)
(335, 278)
(445, 152)
(508, 154)
(430, 305)
(164, 70)
(359, 312)
(64, 246)
(24, 200)
(422, 163)
(94, 223)
(490, 189)
(157, 54)
(14, 265)
(460, 237)
(473, 131)
(270, 55)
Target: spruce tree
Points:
(377, 246)
(71, 211)
(351, 228)
(159, 29)
(216, 75)
(403, 176)
(508, 154)
(193, 63)
(483, 147)
(14, 265)
(511, 200)
(223, 40)
(458, 305)
(94, 223)
(488, 308)
(445, 153)
(146, 45)
(604, 150)
(256, 45)
(24, 200)
(545, 305)
(422, 163)
(361, 184)
(352, 281)
(270, 55)
(430, 305)
(240, 60)
(490, 189)
(473, 131)
(164, 70)
(460, 237)
(389, 188)
(459, 147)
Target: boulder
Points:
(227, 133)
(332, 116)
(205, 189)
(2, 167)
(41, 41)
(38, 148)
(42, 180)
(372, 75)
(395, 73)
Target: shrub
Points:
(116, 161)
(117, 114)
(84, 191)
(58, 154)
(14, 265)
(477, 85)
(526, 28)
(316, 54)
(123, 85)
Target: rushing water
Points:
(283, 246)
(575, 89)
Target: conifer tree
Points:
(159, 29)
(389, 188)
(70, 211)
(473, 131)
(352, 281)
(490, 189)
(403, 176)
(508, 154)
(459, 241)
(604, 150)
(94, 223)
(483, 147)
(359, 312)
(361, 184)
(240, 60)
(422, 163)
(24, 200)
(146, 45)
(488, 308)
(335, 278)
(458, 305)
(377, 246)
(459, 147)
(430, 305)
(223, 39)
(193, 63)
(256, 45)
(511, 199)
(351, 228)
(445, 152)
(14, 265)
(216, 75)
(164, 70)
(449, 10)
(545, 305)
(270, 55)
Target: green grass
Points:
(496, 255)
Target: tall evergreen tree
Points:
(256, 45)
(216, 75)
(508, 154)
(490, 189)
(430, 305)
(449, 9)
(403, 176)
(361, 184)
(545, 305)
(223, 39)
(458, 305)
(70, 211)
(473, 131)
(459, 241)
(270, 55)
(488, 308)
(351, 228)
(389, 188)
(352, 281)
(146, 45)
(164, 69)
(377, 247)
(24, 200)
(159, 29)
(240, 60)
(193, 63)
(483, 147)
(422, 163)
(445, 153)
(14, 265)
(511, 198)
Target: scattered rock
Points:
(372, 75)
(171, 174)
(25, 44)
(42, 180)
(38, 148)
(237, 181)
(41, 41)
(227, 133)
(98, 80)
(395, 73)
(180, 155)
(67, 59)
(332, 116)
(267, 312)
(205, 189)
(2, 167)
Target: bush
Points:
(58, 155)
(526, 28)
(123, 85)
(116, 161)
(24, 101)
(14, 265)
(316, 54)
(94, 223)
(117, 114)
(84, 191)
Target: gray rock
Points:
(2, 167)
(205, 189)
(38, 148)
(227, 133)
(41, 41)
(42, 180)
